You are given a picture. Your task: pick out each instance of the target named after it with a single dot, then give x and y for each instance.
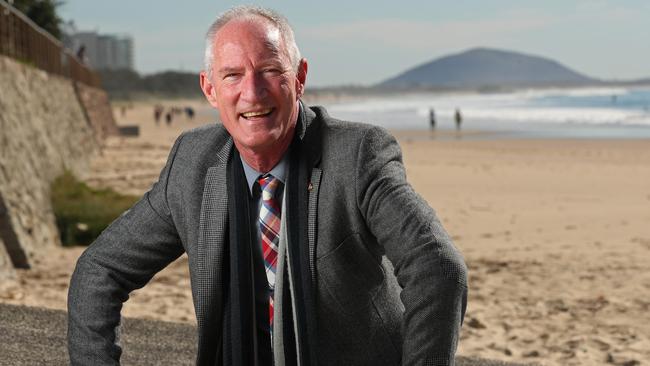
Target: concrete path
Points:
(37, 336)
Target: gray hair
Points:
(249, 12)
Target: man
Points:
(301, 230)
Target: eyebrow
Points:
(228, 70)
(268, 62)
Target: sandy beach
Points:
(556, 235)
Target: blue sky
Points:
(357, 42)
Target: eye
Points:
(272, 71)
(231, 76)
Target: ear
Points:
(301, 77)
(208, 89)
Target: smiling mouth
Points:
(257, 114)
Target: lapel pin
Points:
(310, 187)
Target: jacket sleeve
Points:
(430, 270)
(137, 245)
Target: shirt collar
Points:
(279, 171)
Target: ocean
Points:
(544, 113)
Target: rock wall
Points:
(6, 267)
(99, 113)
(44, 129)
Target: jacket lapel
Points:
(312, 220)
(213, 227)
(311, 151)
(304, 159)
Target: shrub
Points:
(81, 212)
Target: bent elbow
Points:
(453, 265)
(455, 271)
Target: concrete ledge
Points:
(37, 336)
(129, 131)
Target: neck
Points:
(265, 160)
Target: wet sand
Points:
(556, 234)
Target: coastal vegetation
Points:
(82, 212)
(128, 84)
(43, 13)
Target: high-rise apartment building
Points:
(104, 51)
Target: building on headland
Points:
(103, 51)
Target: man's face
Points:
(254, 85)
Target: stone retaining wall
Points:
(44, 130)
(99, 113)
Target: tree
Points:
(43, 13)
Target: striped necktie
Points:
(269, 222)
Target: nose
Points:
(253, 87)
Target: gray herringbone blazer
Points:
(391, 287)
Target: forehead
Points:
(249, 36)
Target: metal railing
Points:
(23, 40)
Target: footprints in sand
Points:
(474, 323)
(167, 296)
(644, 242)
(128, 166)
(516, 313)
(46, 284)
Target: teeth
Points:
(257, 113)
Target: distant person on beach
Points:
(168, 118)
(189, 112)
(432, 118)
(157, 113)
(306, 244)
(458, 118)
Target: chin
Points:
(261, 141)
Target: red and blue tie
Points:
(269, 220)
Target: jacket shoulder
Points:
(204, 141)
(205, 133)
